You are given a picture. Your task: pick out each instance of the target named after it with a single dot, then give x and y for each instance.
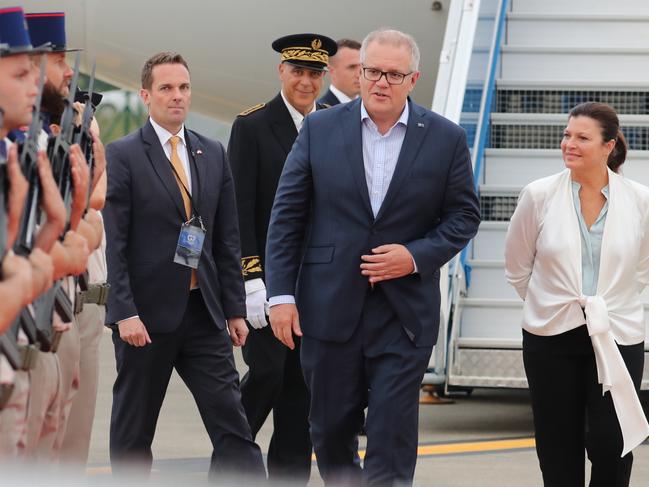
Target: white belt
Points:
(613, 374)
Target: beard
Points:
(52, 103)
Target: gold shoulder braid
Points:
(250, 265)
(250, 110)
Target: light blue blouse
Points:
(591, 242)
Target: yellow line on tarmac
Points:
(476, 446)
(427, 450)
(470, 447)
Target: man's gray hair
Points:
(394, 38)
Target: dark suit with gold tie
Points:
(143, 217)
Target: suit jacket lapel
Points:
(352, 135)
(196, 153)
(161, 165)
(282, 123)
(415, 134)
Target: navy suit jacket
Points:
(322, 221)
(329, 98)
(143, 215)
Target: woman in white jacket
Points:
(577, 252)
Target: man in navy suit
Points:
(344, 69)
(169, 186)
(376, 195)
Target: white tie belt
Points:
(613, 374)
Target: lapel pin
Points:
(199, 152)
(420, 124)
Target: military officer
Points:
(260, 140)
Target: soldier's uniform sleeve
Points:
(243, 154)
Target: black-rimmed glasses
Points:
(392, 77)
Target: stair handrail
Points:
(450, 86)
(460, 280)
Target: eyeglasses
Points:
(393, 78)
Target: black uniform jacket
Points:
(260, 140)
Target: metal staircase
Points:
(554, 54)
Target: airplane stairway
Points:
(554, 55)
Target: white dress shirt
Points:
(380, 156)
(342, 98)
(543, 263)
(297, 117)
(164, 135)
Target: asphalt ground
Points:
(481, 439)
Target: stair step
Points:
(533, 98)
(488, 280)
(545, 130)
(489, 318)
(576, 7)
(489, 243)
(562, 63)
(518, 167)
(582, 30)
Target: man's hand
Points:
(59, 325)
(77, 252)
(99, 154)
(42, 271)
(256, 303)
(51, 204)
(389, 261)
(80, 175)
(238, 331)
(285, 320)
(18, 271)
(18, 187)
(133, 332)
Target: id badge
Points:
(190, 243)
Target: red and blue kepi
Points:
(48, 29)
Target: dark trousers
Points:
(570, 412)
(379, 367)
(274, 382)
(202, 356)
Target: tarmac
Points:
(482, 439)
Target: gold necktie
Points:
(181, 179)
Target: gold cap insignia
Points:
(316, 44)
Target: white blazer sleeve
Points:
(643, 255)
(520, 243)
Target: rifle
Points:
(82, 135)
(59, 148)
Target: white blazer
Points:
(543, 263)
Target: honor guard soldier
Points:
(54, 378)
(79, 350)
(261, 138)
(21, 282)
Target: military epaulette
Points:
(250, 110)
(251, 265)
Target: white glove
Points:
(256, 304)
